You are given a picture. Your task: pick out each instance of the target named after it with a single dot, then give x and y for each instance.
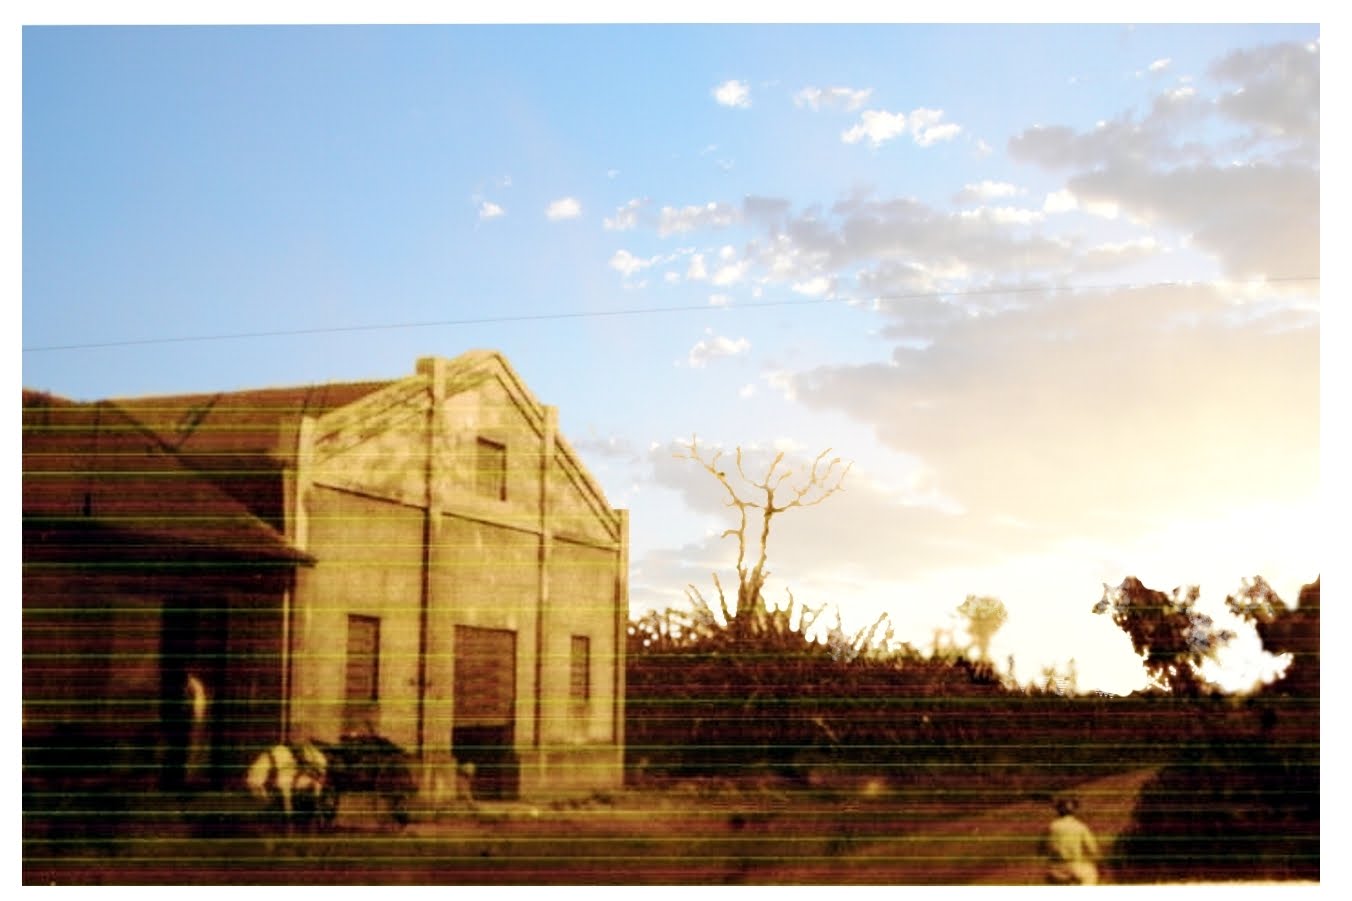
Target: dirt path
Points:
(647, 840)
(997, 847)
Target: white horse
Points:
(284, 775)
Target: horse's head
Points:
(312, 758)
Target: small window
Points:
(363, 673)
(491, 469)
(579, 670)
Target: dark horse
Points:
(373, 764)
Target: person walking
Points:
(1069, 845)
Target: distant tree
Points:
(1172, 636)
(1241, 798)
(1056, 682)
(985, 616)
(1284, 630)
(763, 500)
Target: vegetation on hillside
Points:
(756, 692)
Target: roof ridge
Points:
(309, 389)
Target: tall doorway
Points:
(484, 731)
(192, 650)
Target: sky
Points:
(1053, 290)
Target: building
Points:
(425, 559)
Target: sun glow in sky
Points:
(1055, 290)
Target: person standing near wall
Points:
(1070, 848)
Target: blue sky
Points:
(1054, 289)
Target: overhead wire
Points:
(641, 311)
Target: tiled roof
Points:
(94, 465)
(238, 422)
(205, 466)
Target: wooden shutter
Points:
(362, 686)
(485, 676)
(579, 669)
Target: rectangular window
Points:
(579, 670)
(491, 469)
(362, 688)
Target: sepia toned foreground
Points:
(691, 833)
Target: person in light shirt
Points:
(1071, 850)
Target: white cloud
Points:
(877, 126)
(814, 287)
(986, 190)
(490, 210)
(689, 218)
(1062, 201)
(925, 118)
(1275, 93)
(1172, 167)
(1104, 209)
(1009, 215)
(730, 269)
(564, 208)
(629, 265)
(782, 381)
(714, 347)
(1147, 243)
(719, 300)
(697, 272)
(733, 93)
(1160, 65)
(934, 134)
(747, 391)
(925, 125)
(832, 98)
(731, 274)
(880, 243)
(1120, 253)
(626, 217)
(1106, 411)
(613, 447)
(1066, 201)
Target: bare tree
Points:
(779, 490)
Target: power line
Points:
(631, 311)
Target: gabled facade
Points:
(456, 580)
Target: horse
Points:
(293, 779)
(374, 764)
